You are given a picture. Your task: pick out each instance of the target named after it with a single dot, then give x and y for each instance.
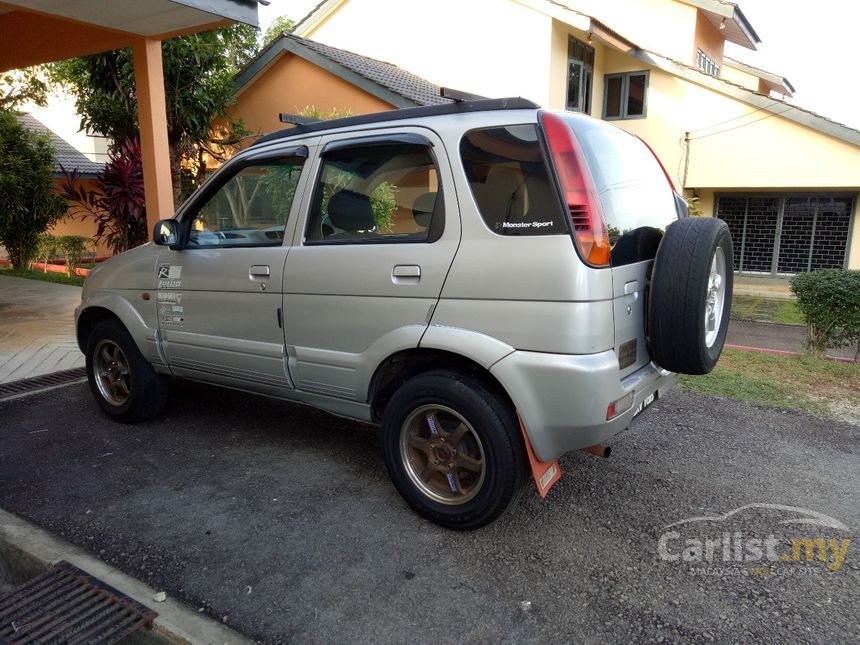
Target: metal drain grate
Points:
(41, 382)
(67, 605)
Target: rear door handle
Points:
(259, 271)
(406, 273)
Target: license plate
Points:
(648, 400)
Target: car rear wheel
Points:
(453, 449)
(123, 382)
(691, 295)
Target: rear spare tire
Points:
(691, 295)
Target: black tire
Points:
(147, 390)
(494, 422)
(680, 292)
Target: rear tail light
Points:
(580, 195)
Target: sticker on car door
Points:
(169, 276)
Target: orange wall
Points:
(73, 224)
(289, 85)
(709, 39)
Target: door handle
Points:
(406, 273)
(259, 271)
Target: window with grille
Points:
(789, 233)
(707, 64)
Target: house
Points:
(67, 157)
(785, 179)
(292, 74)
(34, 33)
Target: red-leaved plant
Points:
(116, 202)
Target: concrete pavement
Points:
(37, 328)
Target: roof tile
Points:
(65, 154)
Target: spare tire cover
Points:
(691, 295)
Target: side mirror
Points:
(166, 233)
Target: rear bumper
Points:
(562, 398)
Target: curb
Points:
(782, 352)
(28, 551)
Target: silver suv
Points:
(493, 283)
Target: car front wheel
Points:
(123, 382)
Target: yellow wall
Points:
(664, 26)
(289, 85)
(770, 152)
(73, 224)
(508, 56)
(740, 77)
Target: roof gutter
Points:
(773, 106)
(744, 25)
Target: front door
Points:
(220, 297)
(367, 268)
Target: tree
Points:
(198, 82)
(280, 25)
(117, 202)
(22, 86)
(28, 205)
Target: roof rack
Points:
(459, 107)
(297, 119)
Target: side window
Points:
(387, 192)
(250, 208)
(510, 181)
(624, 95)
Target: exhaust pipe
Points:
(598, 450)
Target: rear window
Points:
(510, 182)
(633, 190)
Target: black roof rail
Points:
(482, 105)
(296, 119)
(458, 95)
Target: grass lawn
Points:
(759, 309)
(35, 274)
(828, 389)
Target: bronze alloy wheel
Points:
(442, 454)
(111, 372)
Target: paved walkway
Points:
(774, 336)
(37, 328)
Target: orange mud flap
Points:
(546, 473)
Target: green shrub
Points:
(830, 302)
(383, 204)
(28, 204)
(46, 249)
(72, 248)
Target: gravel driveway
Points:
(281, 521)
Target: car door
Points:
(370, 258)
(219, 297)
